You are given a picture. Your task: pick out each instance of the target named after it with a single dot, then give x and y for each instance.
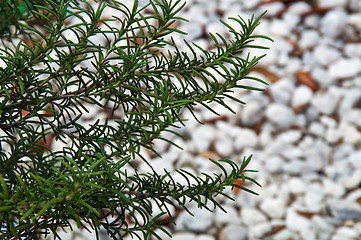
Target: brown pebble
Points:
(305, 78)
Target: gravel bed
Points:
(304, 131)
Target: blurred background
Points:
(304, 130)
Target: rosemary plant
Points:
(53, 69)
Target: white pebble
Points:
(345, 68)
(317, 129)
(313, 115)
(333, 135)
(350, 134)
(200, 222)
(296, 185)
(301, 120)
(342, 151)
(332, 188)
(224, 145)
(328, 121)
(321, 76)
(266, 135)
(252, 113)
(274, 164)
(314, 197)
(311, 21)
(354, 180)
(314, 160)
(234, 232)
(326, 54)
(205, 237)
(301, 96)
(296, 222)
(296, 166)
(333, 23)
(345, 233)
(292, 152)
(216, 27)
(298, 8)
(274, 207)
(308, 234)
(354, 196)
(308, 59)
(293, 65)
(338, 171)
(273, 9)
(259, 230)
(306, 142)
(355, 20)
(309, 39)
(251, 4)
(279, 28)
(353, 116)
(331, 3)
(183, 236)
(252, 216)
(285, 234)
(194, 30)
(324, 102)
(245, 138)
(352, 50)
(202, 137)
(354, 158)
(280, 114)
(291, 19)
(323, 226)
(323, 148)
(290, 136)
(281, 91)
(230, 216)
(276, 147)
(350, 98)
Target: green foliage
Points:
(12, 11)
(55, 70)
